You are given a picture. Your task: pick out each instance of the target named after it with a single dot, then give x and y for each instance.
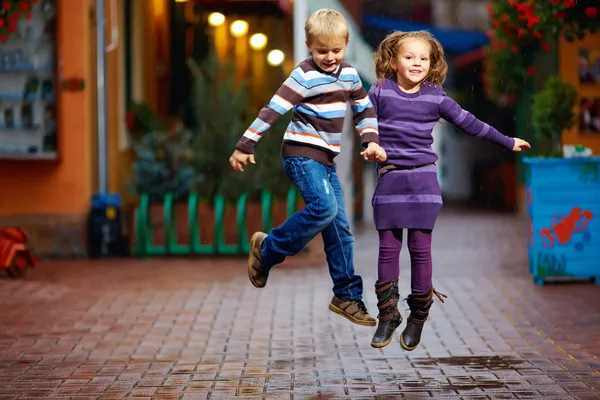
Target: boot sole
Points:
(405, 347)
(250, 259)
(382, 344)
(349, 317)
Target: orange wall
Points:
(63, 187)
(569, 72)
(151, 68)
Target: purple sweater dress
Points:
(410, 196)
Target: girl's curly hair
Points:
(390, 46)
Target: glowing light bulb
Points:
(238, 28)
(258, 41)
(275, 58)
(216, 19)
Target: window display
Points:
(28, 79)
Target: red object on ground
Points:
(15, 255)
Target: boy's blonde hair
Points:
(329, 26)
(390, 47)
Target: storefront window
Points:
(28, 125)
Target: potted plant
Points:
(562, 193)
(552, 113)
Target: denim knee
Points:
(323, 209)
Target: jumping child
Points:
(409, 100)
(318, 90)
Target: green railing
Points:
(143, 227)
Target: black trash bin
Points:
(105, 227)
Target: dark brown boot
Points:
(389, 316)
(419, 311)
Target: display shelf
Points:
(28, 125)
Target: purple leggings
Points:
(419, 246)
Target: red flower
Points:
(514, 48)
(532, 20)
(7, 5)
(12, 28)
(569, 3)
(555, 1)
(490, 9)
(24, 6)
(545, 47)
(2, 23)
(3, 38)
(560, 15)
(591, 11)
(537, 35)
(530, 70)
(29, 15)
(14, 17)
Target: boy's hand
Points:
(520, 144)
(238, 158)
(374, 152)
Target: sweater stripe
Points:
(319, 102)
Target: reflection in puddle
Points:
(475, 362)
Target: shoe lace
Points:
(441, 296)
(361, 306)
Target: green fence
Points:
(143, 226)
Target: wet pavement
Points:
(197, 329)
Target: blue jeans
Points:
(324, 213)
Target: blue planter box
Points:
(563, 207)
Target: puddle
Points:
(474, 362)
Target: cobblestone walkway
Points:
(197, 329)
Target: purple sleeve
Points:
(467, 122)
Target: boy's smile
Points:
(327, 56)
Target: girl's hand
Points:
(520, 145)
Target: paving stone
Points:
(195, 328)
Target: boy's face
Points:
(327, 56)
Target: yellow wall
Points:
(568, 67)
(65, 186)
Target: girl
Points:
(409, 100)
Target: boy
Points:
(317, 91)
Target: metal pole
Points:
(300, 16)
(101, 89)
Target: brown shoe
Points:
(258, 271)
(354, 310)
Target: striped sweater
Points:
(319, 102)
(406, 122)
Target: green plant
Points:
(164, 164)
(552, 113)
(220, 108)
(269, 174)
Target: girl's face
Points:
(412, 62)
